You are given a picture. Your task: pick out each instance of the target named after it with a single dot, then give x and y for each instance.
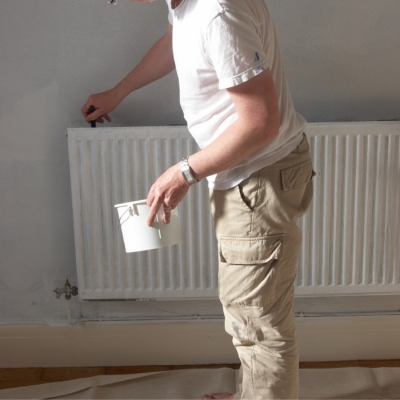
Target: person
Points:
(255, 156)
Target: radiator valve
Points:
(68, 290)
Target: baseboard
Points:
(187, 343)
(348, 338)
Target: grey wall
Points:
(342, 59)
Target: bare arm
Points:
(157, 63)
(258, 123)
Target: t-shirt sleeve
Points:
(235, 49)
(170, 18)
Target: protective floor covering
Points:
(343, 383)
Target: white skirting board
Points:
(187, 343)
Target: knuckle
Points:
(158, 191)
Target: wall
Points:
(342, 59)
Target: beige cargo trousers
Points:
(259, 245)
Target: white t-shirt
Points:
(219, 44)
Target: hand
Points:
(168, 190)
(104, 103)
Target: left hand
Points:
(167, 191)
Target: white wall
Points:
(342, 59)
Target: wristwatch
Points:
(187, 172)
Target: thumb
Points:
(92, 114)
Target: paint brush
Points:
(92, 109)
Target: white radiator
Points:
(351, 233)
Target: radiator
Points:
(350, 235)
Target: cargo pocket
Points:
(297, 175)
(248, 269)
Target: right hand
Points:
(104, 103)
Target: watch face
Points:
(187, 174)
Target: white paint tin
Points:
(138, 236)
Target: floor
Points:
(18, 377)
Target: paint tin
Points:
(138, 236)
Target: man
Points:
(256, 159)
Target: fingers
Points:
(154, 208)
(167, 213)
(167, 192)
(101, 120)
(151, 217)
(101, 109)
(155, 205)
(96, 115)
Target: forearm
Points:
(257, 124)
(234, 145)
(157, 63)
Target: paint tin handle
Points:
(159, 226)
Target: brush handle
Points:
(92, 109)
